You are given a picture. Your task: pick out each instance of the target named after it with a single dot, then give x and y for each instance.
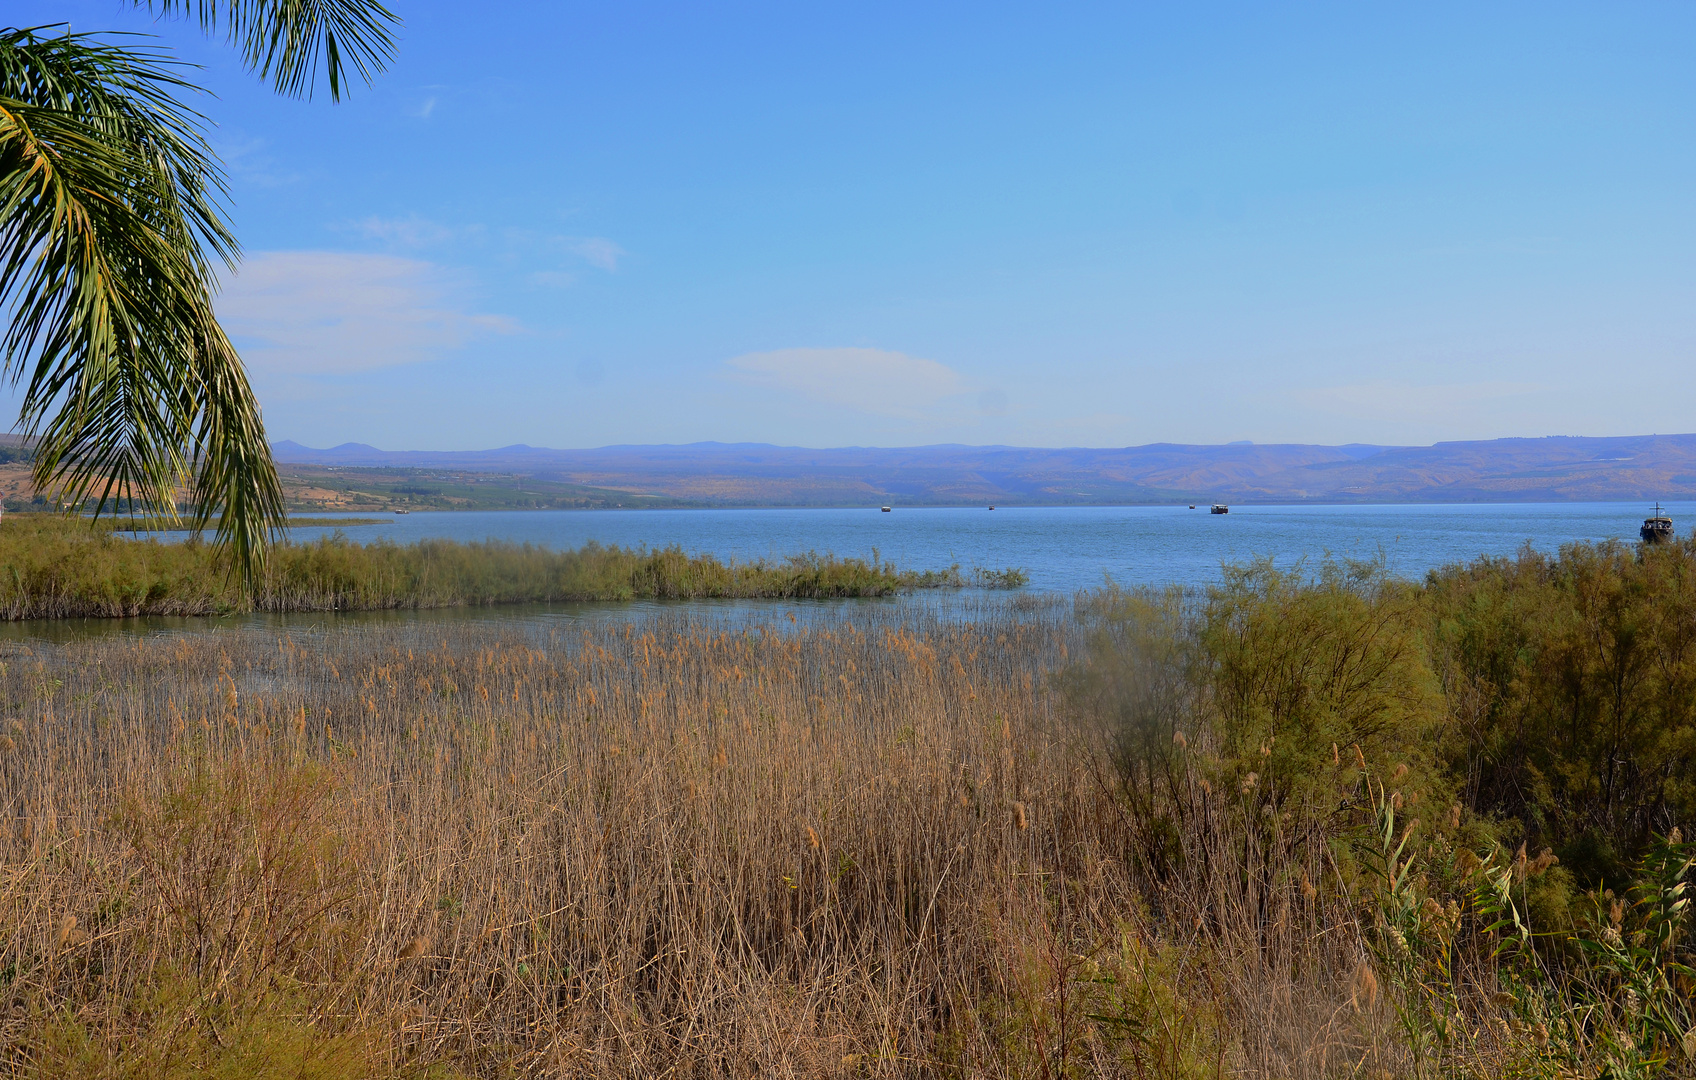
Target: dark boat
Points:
(1220, 508)
(1656, 529)
(886, 509)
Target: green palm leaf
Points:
(109, 199)
(283, 39)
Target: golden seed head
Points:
(812, 838)
(1365, 989)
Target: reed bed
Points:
(873, 848)
(1146, 834)
(52, 568)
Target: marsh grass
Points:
(872, 848)
(1154, 834)
(54, 568)
(781, 850)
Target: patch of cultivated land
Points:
(320, 488)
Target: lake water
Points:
(1062, 548)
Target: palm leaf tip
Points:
(287, 42)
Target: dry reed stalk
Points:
(843, 850)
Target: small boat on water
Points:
(1192, 506)
(992, 508)
(1656, 529)
(403, 511)
(1220, 508)
(886, 509)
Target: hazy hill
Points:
(1557, 468)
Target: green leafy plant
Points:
(110, 225)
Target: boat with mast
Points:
(1657, 529)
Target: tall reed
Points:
(851, 850)
(1158, 834)
(54, 568)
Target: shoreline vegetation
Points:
(120, 524)
(1300, 825)
(55, 568)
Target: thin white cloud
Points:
(328, 312)
(413, 232)
(871, 380)
(426, 109)
(248, 160)
(1391, 400)
(597, 251)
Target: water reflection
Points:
(965, 605)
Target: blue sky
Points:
(574, 224)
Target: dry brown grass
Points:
(867, 849)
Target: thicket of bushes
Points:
(54, 568)
(1493, 768)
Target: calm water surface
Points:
(1062, 549)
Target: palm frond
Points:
(283, 40)
(109, 201)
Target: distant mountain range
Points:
(1553, 469)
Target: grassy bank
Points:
(52, 568)
(1338, 826)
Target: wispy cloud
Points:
(424, 110)
(249, 161)
(413, 231)
(520, 246)
(597, 251)
(870, 380)
(326, 312)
